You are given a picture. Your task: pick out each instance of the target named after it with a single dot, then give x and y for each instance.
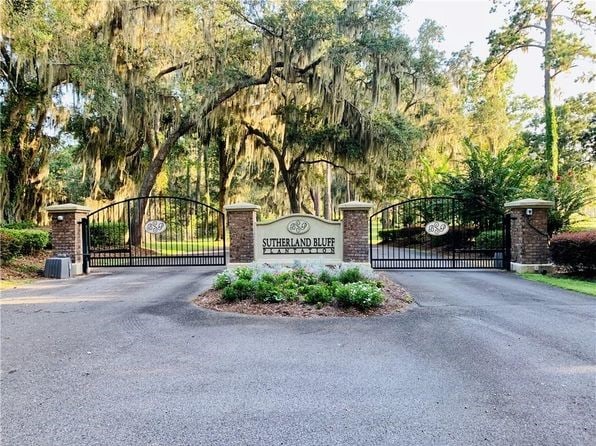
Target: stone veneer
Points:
(242, 223)
(355, 231)
(529, 239)
(67, 234)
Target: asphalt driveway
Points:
(123, 358)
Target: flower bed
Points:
(304, 290)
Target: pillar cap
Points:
(241, 207)
(355, 206)
(530, 203)
(67, 208)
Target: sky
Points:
(467, 21)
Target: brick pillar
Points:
(242, 224)
(529, 240)
(355, 231)
(67, 234)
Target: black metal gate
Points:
(154, 231)
(439, 232)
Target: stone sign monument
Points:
(299, 237)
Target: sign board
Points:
(437, 228)
(299, 237)
(155, 226)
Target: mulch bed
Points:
(396, 300)
(25, 267)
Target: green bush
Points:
(20, 225)
(241, 289)
(107, 234)
(244, 273)
(490, 239)
(326, 277)
(222, 280)
(10, 246)
(268, 292)
(350, 275)
(359, 295)
(318, 294)
(574, 250)
(395, 234)
(16, 242)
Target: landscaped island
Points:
(304, 290)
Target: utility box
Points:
(57, 268)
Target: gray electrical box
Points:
(57, 268)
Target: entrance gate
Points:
(439, 233)
(154, 231)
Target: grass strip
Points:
(585, 286)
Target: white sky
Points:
(465, 21)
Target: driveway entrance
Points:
(122, 357)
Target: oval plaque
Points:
(437, 228)
(155, 226)
(298, 227)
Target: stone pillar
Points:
(242, 224)
(355, 231)
(529, 236)
(67, 234)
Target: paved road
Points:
(123, 358)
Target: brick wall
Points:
(355, 235)
(67, 235)
(528, 246)
(242, 225)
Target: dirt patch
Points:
(396, 300)
(25, 267)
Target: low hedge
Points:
(17, 242)
(490, 239)
(395, 234)
(574, 250)
(108, 234)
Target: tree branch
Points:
(263, 137)
(331, 163)
(178, 67)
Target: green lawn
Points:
(585, 286)
(173, 247)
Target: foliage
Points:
(240, 289)
(574, 251)
(569, 196)
(395, 234)
(540, 24)
(350, 275)
(318, 285)
(489, 180)
(318, 294)
(363, 296)
(108, 234)
(490, 239)
(17, 242)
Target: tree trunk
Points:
(328, 199)
(550, 119)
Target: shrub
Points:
(490, 239)
(359, 295)
(318, 294)
(20, 225)
(350, 275)
(241, 289)
(395, 234)
(268, 292)
(326, 277)
(107, 234)
(10, 245)
(16, 242)
(244, 273)
(222, 280)
(574, 250)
